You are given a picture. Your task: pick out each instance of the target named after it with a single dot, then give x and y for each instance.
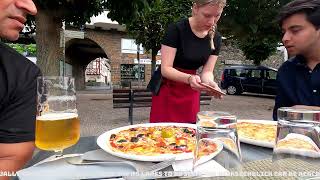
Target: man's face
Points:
(299, 35)
(13, 15)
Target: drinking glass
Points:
(220, 128)
(57, 122)
(297, 134)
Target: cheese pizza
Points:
(257, 131)
(297, 141)
(298, 144)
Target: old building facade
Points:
(110, 41)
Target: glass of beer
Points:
(57, 122)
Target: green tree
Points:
(149, 26)
(125, 11)
(252, 24)
(18, 47)
(30, 49)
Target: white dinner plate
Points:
(257, 142)
(103, 143)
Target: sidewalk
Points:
(97, 114)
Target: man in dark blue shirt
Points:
(299, 78)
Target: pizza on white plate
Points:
(257, 131)
(297, 143)
(157, 140)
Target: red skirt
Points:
(176, 102)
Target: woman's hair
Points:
(213, 2)
(221, 3)
(211, 34)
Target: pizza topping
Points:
(181, 147)
(166, 133)
(134, 139)
(161, 143)
(133, 129)
(186, 130)
(140, 135)
(122, 140)
(112, 136)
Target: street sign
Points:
(146, 61)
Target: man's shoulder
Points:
(288, 65)
(11, 59)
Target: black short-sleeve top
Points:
(192, 51)
(17, 96)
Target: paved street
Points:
(97, 115)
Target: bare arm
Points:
(207, 75)
(167, 70)
(14, 156)
(208, 68)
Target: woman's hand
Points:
(214, 93)
(194, 82)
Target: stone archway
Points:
(79, 53)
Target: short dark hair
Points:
(311, 8)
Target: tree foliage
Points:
(149, 26)
(252, 24)
(29, 49)
(124, 11)
(76, 12)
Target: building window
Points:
(131, 72)
(129, 46)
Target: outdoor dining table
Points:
(249, 152)
(256, 155)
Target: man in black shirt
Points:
(299, 78)
(17, 89)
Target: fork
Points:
(77, 160)
(142, 172)
(158, 166)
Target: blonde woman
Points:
(188, 45)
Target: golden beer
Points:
(57, 131)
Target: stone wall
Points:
(110, 42)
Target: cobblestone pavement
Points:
(97, 115)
